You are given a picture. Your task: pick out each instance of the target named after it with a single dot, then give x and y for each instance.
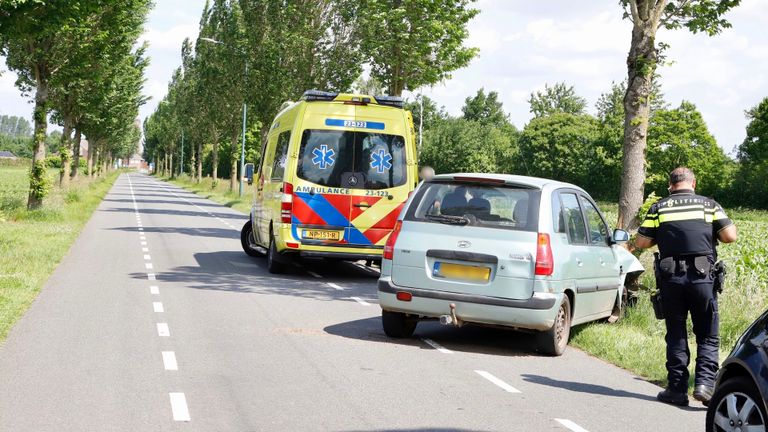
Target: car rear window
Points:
(476, 204)
(352, 159)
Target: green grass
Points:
(636, 342)
(221, 193)
(32, 243)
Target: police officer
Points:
(686, 227)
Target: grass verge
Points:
(32, 243)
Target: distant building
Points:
(7, 155)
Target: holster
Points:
(658, 311)
(719, 271)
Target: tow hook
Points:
(451, 319)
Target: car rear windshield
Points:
(476, 204)
(352, 159)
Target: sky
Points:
(525, 45)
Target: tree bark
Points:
(170, 166)
(199, 162)
(215, 161)
(234, 157)
(76, 154)
(91, 157)
(65, 154)
(38, 179)
(641, 67)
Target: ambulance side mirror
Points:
(249, 173)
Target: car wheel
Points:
(248, 242)
(397, 324)
(274, 265)
(553, 341)
(736, 406)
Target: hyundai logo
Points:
(464, 244)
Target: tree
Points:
(13, 126)
(485, 109)
(647, 16)
(557, 99)
(412, 43)
(752, 180)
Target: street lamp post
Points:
(245, 118)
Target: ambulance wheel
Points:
(274, 266)
(248, 242)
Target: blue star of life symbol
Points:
(324, 157)
(381, 160)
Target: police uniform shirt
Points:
(684, 224)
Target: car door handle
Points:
(602, 262)
(578, 262)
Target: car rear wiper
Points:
(446, 219)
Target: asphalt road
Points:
(157, 321)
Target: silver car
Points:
(492, 249)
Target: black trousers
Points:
(687, 291)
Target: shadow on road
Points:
(200, 203)
(196, 232)
(170, 212)
(469, 339)
(420, 430)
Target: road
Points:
(157, 321)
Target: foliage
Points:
(39, 184)
(19, 146)
(459, 145)
(752, 179)
(413, 43)
(15, 127)
(425, 108)
(485, 109)
(557, 99)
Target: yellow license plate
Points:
(321, 235)
(464, 272)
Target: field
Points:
(32, 243)
(637, 341)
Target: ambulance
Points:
(334, 175)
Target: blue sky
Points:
(524, 45)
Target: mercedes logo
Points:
(464, 244)
(352, 181)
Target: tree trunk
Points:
(215, 162)
(91, 157)
(76, 154)
(234, 156)
(65, 154)
(641, 66)
(199, 162)
(37, 178)
(170, 165)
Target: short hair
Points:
(681, 174)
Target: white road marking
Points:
(141, 237)
(571, 425)
(163, 330)
(141, 229)
(497, 381)
(151, 276)
(148, 266)
(145, 249)
(147, 257)
(158, 306)
(169, 360)
(361, 301)
(437, 346)
(139, 224)
(143, 243)
(154, 289)
(179, 407)
(314, 274)
(334, 286)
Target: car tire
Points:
(397, 324)
(554, 341)
(739, 389)
(248, 242)
(275, 264)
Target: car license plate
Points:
(321, 235)
(459, 271)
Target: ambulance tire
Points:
(274, 265)
(248, 242)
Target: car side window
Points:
(574, 221)
(281, 155)
(558, 220)
(598, 231)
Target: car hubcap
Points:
(560, 329)
(737, 412)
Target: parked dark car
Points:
(739, 400)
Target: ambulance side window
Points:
(281, 155)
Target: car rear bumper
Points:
(535, 313)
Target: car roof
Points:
(533, 182)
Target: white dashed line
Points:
(163, 330)
(145, 249)
(148, 266)
(141, 229)
(571, 425)
(334, 286)
(151, 276)
(508, 388)
(142, 238)
(437, 346)
(143, 243)
(147, 257)
(361, 301)
(179, 407)
(169, 360)
(154, 289)
(314, 274)
(158, 307)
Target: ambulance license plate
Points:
(321, 235)
(463, 272)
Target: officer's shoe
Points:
(673, 397)
(703, 394)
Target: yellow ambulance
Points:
(334, 175)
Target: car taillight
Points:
(389, 247)
(286, 205)
(544, 263)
